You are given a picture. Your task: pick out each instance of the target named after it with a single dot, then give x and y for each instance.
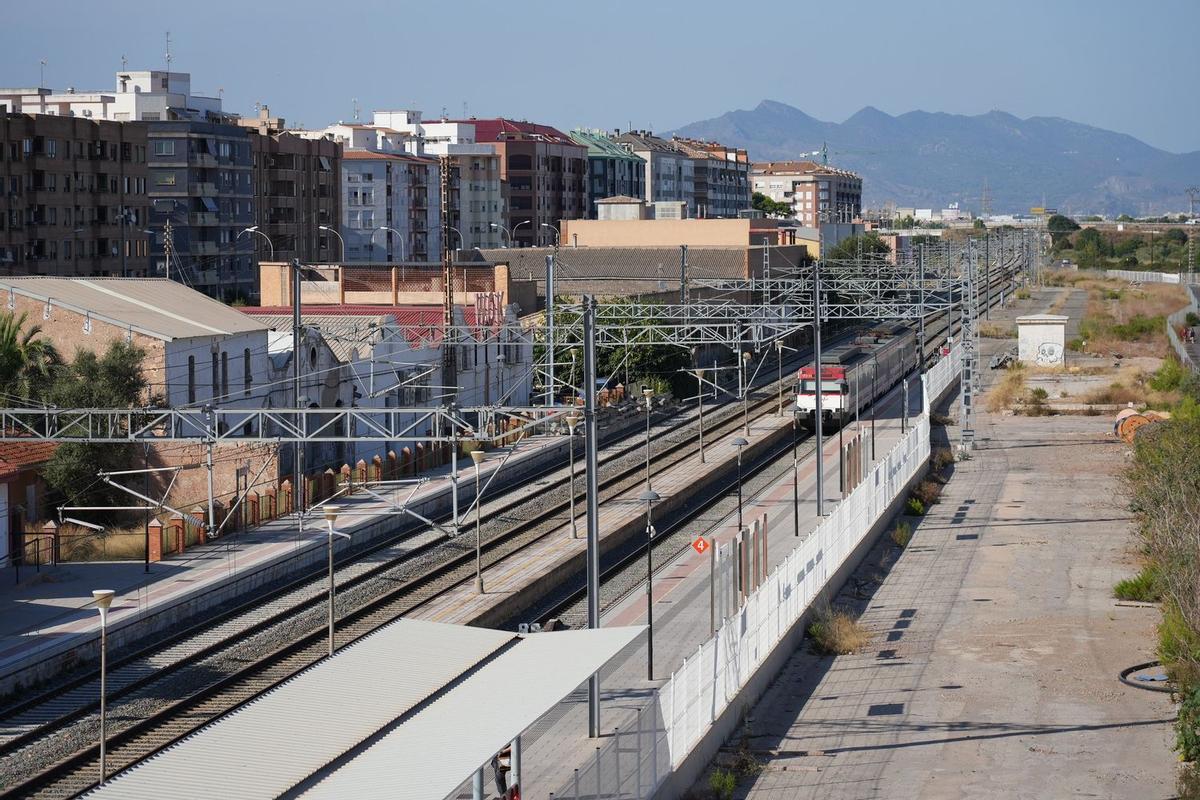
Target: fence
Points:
(1179, 320)
(635, 761)
(1153, 277)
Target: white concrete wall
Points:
(178, 351)
(1041, 345)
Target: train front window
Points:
(827, 387)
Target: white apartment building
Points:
(817, 193)
(142, 95)
(391, 195)
(670, 172)
(477, 201)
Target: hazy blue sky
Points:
(1130, 67)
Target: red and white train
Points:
(853, 375)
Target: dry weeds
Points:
(836, 632)
(1007, 390)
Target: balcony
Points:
(205, 248)
(204, 189)
(204, 160)
(203, 218)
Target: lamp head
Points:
(647, 392)
(252, 228)
(331, 513)
(103, 598)
(572, 420)
(740, 442)
(477, 456)
(649, 496)
(322, 227)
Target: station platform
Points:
(558, 745)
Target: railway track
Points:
(242, 656)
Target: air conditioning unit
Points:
(87, 112)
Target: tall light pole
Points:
(649, 497)
(462, 243)
(572, 421)
(477, 457)
(874, 399)
(328, 229)
(399, 237)
(254, 229)
(746, 356)
(739, 443)
(648, 394)
(796, 471)
(820, 374)
(513, 232)
(779, 370)
(331, 515)
(496, 226)
(556, 233)
(700, 408)
(103, 598)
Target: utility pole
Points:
(969, 354)
(550, 259)
(819, 372)
(449, 336)
(168, 246)
(297, 390)
(592, 467)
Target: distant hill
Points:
(930, 159)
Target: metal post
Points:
(796, 474)
(745, 395)
(514, 763)
(842, 460)
(820, 388)
(103, 697)
(574, 527)
(649, 595)
(477, 785)
(904, 406)
(208, 463)
(700, 407)
(712, 585)
(921, 306)
(331, 587)
(478, 537)
(591, 461)
(779, 371)
(987, 274)
(683, 278)
(874, 400)
(649, 406)
(739, 487)
(550, 333)
(453, 471)
(297, 392)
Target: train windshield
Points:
(827, 387)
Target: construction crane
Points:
(824, 153)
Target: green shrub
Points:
(914, 507)
(1138, 327)
(1192, 320)
(721, 783)
(927, 493)
(1187, 726)
(941, 458)
(1168, 377)
(1179, 648)
(901, 534)
(1037, 394)
(1142, 587)
(1023, 294)
(1075, 345)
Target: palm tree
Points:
(27, 359)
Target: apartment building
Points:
(476, 197)
(816, 192)
(390, 195)
(721, 177)
(543, 173)
(73, 196)
(613, 171)
(139, 96)
(297, 188)
(670, 172)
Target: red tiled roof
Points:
(489, 130)
(16, 457)
(371, 155)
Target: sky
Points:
(658, 64)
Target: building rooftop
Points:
(156, 307)
(350, 327)
(798, 168)
(490, 130)
(600, 144)
(15, 457)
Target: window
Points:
(247, 375)
(216, 377)
(224, 374)
(164, 148)
(191, 378)
(164, 179)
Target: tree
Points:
(867, 244)
(772, 208)
(113, 380)
(1060, 227)
(978, 225)
(1176, 236)
(1124, 218)
(27, 360)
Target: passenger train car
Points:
(853, 375)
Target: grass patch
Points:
(927, 492)
(835, 632)
(996, 330)
(1022, 294)
(1007, 390)
(721, 783)
(1142, 587)
(901, 535)
(914, 507)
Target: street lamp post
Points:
(331, 515)
(796, 471)
(874, 399)
(254, 229)
(399, 237)
(496, 226)
(739, 443)
(779, 370)
(572, 421)
(556, 232)
(648, 393)
(477, 457)
(103, 599)
(649, 497)
(328, 229)
(513, 232)
(746, 356)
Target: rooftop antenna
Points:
(465, 110)
(356, 111)
(124, 62)
(168, 56)
(42, 74)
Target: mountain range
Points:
(929, 160)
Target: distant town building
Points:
(73, 196)
(140, 96)
(391, 195)
(670, 172)
(613, 171)
(476, 197)
(721, 177)
(816, 192)
(543, 172)
(297, 188)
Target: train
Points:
(855, 374)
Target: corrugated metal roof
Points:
(439, 747)
(278, 740)
(154, 306)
